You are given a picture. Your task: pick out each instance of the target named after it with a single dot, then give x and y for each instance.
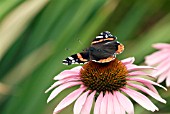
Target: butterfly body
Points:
(103, 48)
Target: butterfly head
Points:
(107, 34)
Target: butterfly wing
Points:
(105, 47)
(104, 36)
(79, 58)
(103, 50)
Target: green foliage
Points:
(35, 34)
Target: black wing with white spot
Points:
(104, 36)
(79, 58)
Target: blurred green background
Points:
(36, 35)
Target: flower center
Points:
(104, 76)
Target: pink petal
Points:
(62, 82)
(151, 87)
(125, 102)
(161, 46)
(103, 106)
(56, 91)
(66, 74)
(162, 77)
(153, 60)
(98, 103)
(122, 110)
(110, 105)
(149, 92)
(156, 54)
(135, 67)
(68, 100)
(54, 85)
(140, 99)
(153, 55)
(162, 67)
(77, 69)
(88, 104)
(145, 81)
(129, 60)
(168, 80)
(80, 102)
(117, 107)
(139, 73)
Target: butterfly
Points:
(103, 49)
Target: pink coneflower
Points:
(106, 85)
(161, 60)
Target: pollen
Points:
(104, 76)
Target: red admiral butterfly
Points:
(103, 49)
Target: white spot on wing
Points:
(65, 63)
(94, 61)
(71, 58)
(106, 36)
(99, 36)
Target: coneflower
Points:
(107, 86)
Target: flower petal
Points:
(161, 45)
(88, 104)
(157, 54)
(162, 67)
(56, 91)
(129, 60)
(155, 58)
(145, 81)
(162, 77)
(149, 92)
(151, 87)
(68, 100)
(140, 99)
(110, 105)
(103, 106)
(80, 102)
(168, 80)
(66, 74)
(125, 102)
(53, 86)
(117, 107)
(139, 73)
(98, 103)
(62, 82)
(135, 68)
(77, 69)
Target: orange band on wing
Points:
(120, 49)
(106, 60)
(80, 57)
(101, 40)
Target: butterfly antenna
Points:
(80, 42)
